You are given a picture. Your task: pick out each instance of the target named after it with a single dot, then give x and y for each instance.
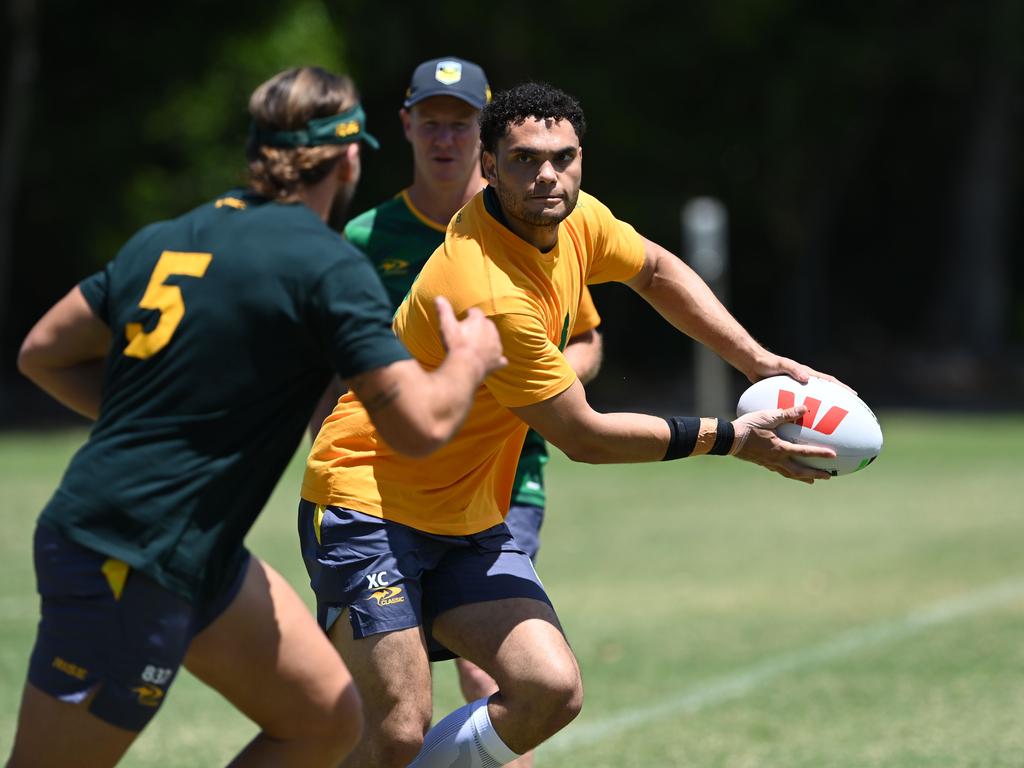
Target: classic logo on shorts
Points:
(448, 72)
(77, 672)
(149, 695)
(388, 596)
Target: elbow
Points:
(29, 359)
(582, 451)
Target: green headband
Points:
(344, 128)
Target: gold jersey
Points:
(534, 298)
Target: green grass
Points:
(673, 578)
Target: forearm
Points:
(65, 353)
(569, 423)
(445, 395)
(416, 411)
(617, 438)
(79, 387)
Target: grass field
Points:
(722, 616)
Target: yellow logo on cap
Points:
(351, 128)
(448, 72)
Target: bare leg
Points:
(393, 675)
(476, 684)
(519, 643)
(269, 658)
(53, 732)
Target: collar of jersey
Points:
(418, 214)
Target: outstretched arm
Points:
(567, 421)
(65, 352)
(684, 299)
(417, 411)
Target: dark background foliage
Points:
(868, 155)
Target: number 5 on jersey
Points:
(166, 299)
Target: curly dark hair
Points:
(514, 106)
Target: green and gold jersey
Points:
(398, 239)
(227, 324)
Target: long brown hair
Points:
(286, 102)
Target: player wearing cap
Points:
(418, 554)
(200, 350)
(439, 119)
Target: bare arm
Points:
(417, 411)
(65, 352)
(681, 297)
(584, 352)
(567, 421)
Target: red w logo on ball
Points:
(829, 422)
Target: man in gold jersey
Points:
(416, 552)
(440, 121)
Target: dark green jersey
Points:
(399, 239)
(227, 324)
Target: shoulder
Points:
(589, 211)
(361, 227)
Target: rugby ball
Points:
(836, 418)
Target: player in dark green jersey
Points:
(439, 118)
(201, 350)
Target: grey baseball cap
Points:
(449, 76)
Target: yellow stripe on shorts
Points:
(318, 518)
(116, 572)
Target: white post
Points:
(706, 250)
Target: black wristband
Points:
(683, 431)
(724, 438)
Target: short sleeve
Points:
(587, 318)
(352, 317)
(358, 230)
(616, 250)
(536, 369)
(96, 290)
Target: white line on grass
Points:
(743, 681)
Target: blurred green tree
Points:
(136, 114)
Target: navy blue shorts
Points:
(392, 577)
(525, 520)
(104, 625)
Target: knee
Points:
(474, 682)
(397, 742)
(564, 693)
(555, 697)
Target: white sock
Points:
(464, 739)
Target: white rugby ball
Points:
(836, 418)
